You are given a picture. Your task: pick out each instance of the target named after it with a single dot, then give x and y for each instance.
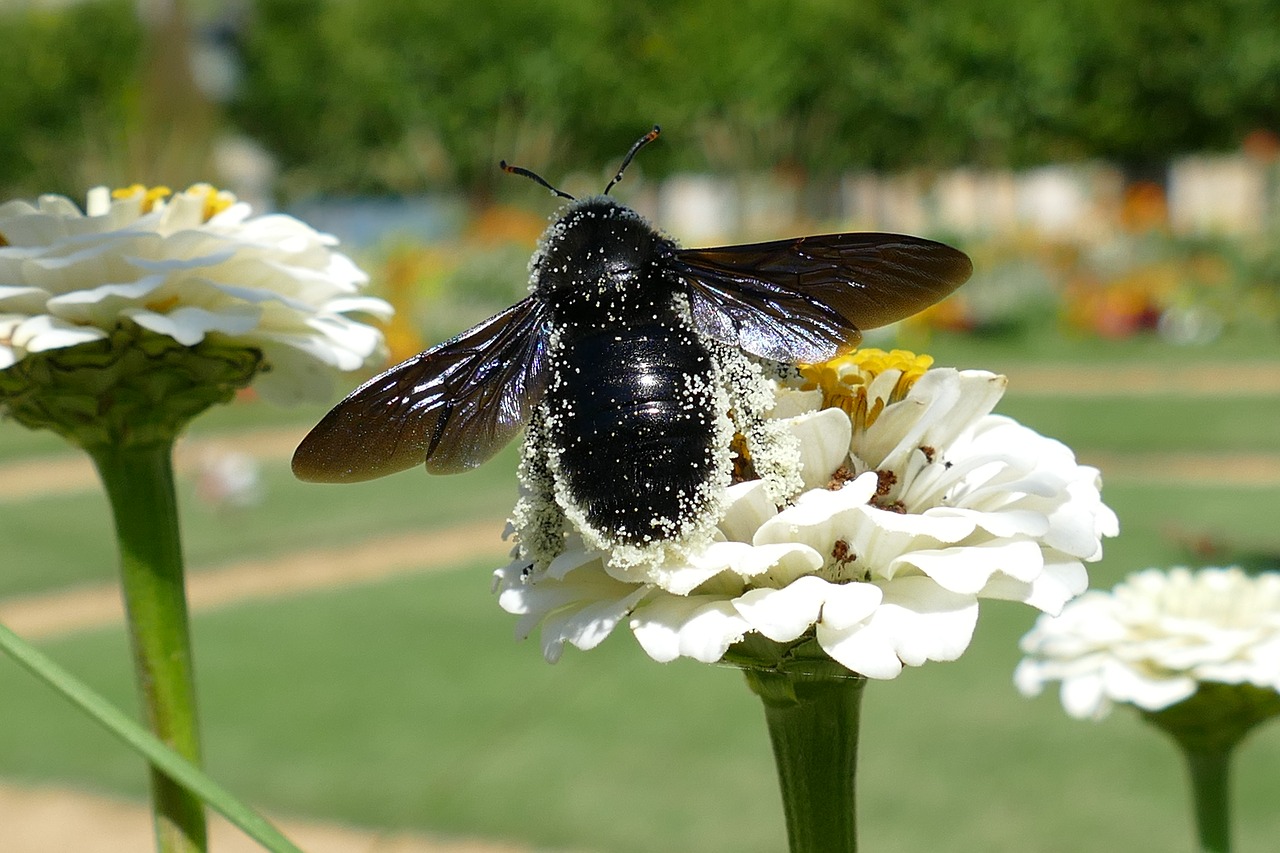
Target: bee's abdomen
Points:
(632, 414)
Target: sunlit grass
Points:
(407, 704)
(60, 540)
(1152, 424)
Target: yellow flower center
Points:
(215, 200)
(846, 380)
(149, 196)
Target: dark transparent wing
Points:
(805, 299)
(453, 406)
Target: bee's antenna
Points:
(516, 170)
(626, 161)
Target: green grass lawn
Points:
(407, 704)
(56, 541)
(1047, 344)
(1152, 424)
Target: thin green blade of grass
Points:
(143, 742)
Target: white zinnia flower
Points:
(917, 502)
(1154, 639)
(191, 267)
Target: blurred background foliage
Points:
(405, 95)
(383, 121)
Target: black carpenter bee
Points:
(632, 362)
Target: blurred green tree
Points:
(400, 95)
(68, 84)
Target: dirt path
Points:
(57, 820)
(73, 472)
(86, 607)
(1227, 469)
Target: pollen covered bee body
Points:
(629, 413)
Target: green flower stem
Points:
(1210, 789)
(139, 484)
(813, 711)
(1207, 727)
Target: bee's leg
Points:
(772, 452)
(537, 518)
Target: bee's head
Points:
(594, 242)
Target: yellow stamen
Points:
(149, 196)
(844, 381)
(215, 200)
(163, 306)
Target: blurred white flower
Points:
(1154, 639)
(917, 502)
(189, 266)
(228, 479)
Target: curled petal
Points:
(824, 444)
(749, 507)
(586, 626)
(784, 614)
(848, 604)
(968, 569)
(1059, 580)
(916, 621)
(700, 627)
(43, 332)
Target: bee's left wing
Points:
(453, 406)
(806, 299)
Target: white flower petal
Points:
(585, 626)
(749, 507)
(1085, 697)
(916, 621)
(1059, 580)
(1153, 639)
(847, 604)
(927, 621)
(700, 627)
(968, 569)
(22, 300)
(188, 326)
(861, 649)
(43, 332)
(824, 444)
(71, 277)
(784, 614)
(819, 516)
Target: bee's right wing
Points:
(453, 406)
(808, 299)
